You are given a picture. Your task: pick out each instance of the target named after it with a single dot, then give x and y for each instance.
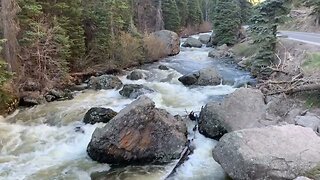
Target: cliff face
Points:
(148, 15)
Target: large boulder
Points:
(245, 108)
(135, 75)
(98, 114)
(203, 77)
(104, 82)
(134, 90)
(192, 42)
(204, 38)
(274, 152)
(140, 133)
(170, 39)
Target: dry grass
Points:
(129, 51)
(154, 47)
(205, 27)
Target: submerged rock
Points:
(98, 114)
(204, 77)
(135, 75)
(104, 82)
(171, 41)
(204, 38)
(245, 108)
(139, 134)
(192, 42)
(274, 152)
(163, 67)
(134, 90)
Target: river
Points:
(41, 142)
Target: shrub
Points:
(128, 51)
(205, 27)
(154, 48)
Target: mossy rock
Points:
(314, 173)
(8, 102)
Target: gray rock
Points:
(309, 120)
(221, 52)
(163, 67)
(274, 152)
(242, 109)
(104, 82)
(134, 90)
(141, 134)
(204, 38)
(171, 41)
(98, 114)
(192, 42)
(135, 75)
(79, 87)
(204, 77)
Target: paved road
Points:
(310, 38)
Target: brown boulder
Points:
(139, 134)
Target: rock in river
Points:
(274, 152)
(245, 108)
(135, 75)
(134, 90)
(98, 114)
(203, 77)
(192, 42)
(139, 134)
(104, 82)
(204, 38)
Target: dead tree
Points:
(9, 9)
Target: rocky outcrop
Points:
(274, 152)
(134, 90)
(139, 134)
(204, 38)
(104, 82)
(221, 52)
(192, 42)
(204, 77)
(135, 75)
(170, 40)
(98, 115)
(245, 108)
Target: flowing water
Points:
(41, 142)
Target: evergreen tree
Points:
(246, 10)
(194, 13)
(227, 22)
(268, 15)
(171, 15)
(183, 11)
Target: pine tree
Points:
(195, 13)
(268, 16)
(183, 11)
(171, 15)
(227, 22)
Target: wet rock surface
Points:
(139, 134)
(98, 115)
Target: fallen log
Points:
(302, 88)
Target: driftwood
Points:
(303, 88)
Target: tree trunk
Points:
(10, 30)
